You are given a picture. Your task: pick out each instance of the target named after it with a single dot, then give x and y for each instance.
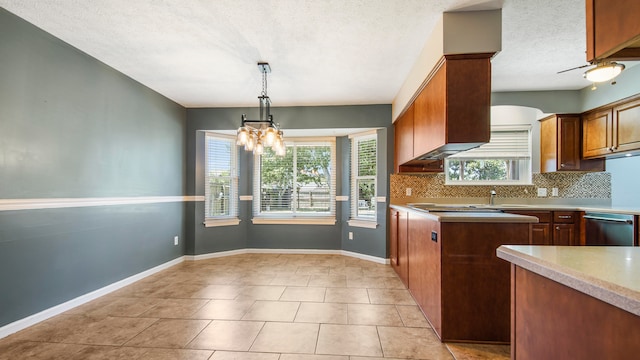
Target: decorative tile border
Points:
(580, 185)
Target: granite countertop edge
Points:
(606, 291)
(470, 216)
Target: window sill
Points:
(363, 223)
(293, 221)
(221, 222)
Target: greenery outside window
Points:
(505, 160)
(364, 163)
(298, 187)
(221, 180)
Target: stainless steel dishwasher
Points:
(609, 229)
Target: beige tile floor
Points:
(249, 307)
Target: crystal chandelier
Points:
(255, 135)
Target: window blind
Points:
(510, 143)
(364, 176)
(221, 177)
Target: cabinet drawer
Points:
(543, 216)
(564, 217)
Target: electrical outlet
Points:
(554, 191)
(175, 240)
(408, 191)
(542, 192)
(350, 235)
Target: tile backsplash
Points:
(571, 185)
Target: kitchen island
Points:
(448, 260)
(574, 302)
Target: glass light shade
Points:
(251, 143)
(259, 149)
(604, 72)
(282, 151)
(269, 136)
(242, 136)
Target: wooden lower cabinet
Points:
(457, 279)
(553, 321)
(398, 237)
(560, 228)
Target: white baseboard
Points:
(59, 309)
(375, 259)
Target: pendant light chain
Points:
(264, 83)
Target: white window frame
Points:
(357, 220)
(232, 217)
(328, 218)
(485, 152)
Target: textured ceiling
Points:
(203, 53)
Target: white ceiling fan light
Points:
(604, 71)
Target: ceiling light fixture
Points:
(604, 71)
(255, 135)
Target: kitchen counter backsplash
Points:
(571, 185)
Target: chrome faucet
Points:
(492, 198)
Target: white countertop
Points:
(542, 207)
(470, 216)
(608, 273)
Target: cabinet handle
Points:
(564, 216)
(557, 227)
(561, 165)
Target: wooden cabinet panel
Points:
(403, 138)
(393, 238)
(398, 244)
(430, 115)
(425, 267)
(560, 145)
(553, 321)
(475, 283)
(564, 234)
(613, 130)
(613, 29)
(626, 126)
(541, 234)
(597, 127)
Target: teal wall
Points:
(247, 235)
(70, 126)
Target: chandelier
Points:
(255, 135)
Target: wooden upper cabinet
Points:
(597, 133)
(626, 135)
(453, 109)
(560, 145)
(613, 29)
(612, 131)
(403, 138)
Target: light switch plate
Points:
(542, 192)
(408, 191)
(554, 191)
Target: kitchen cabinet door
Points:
(626, 126)
(597, 133)
(613, 29)
(560, 145)
(541, 234)
(564, 234)
(393, 238)
(403, 136)
(398, 237)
